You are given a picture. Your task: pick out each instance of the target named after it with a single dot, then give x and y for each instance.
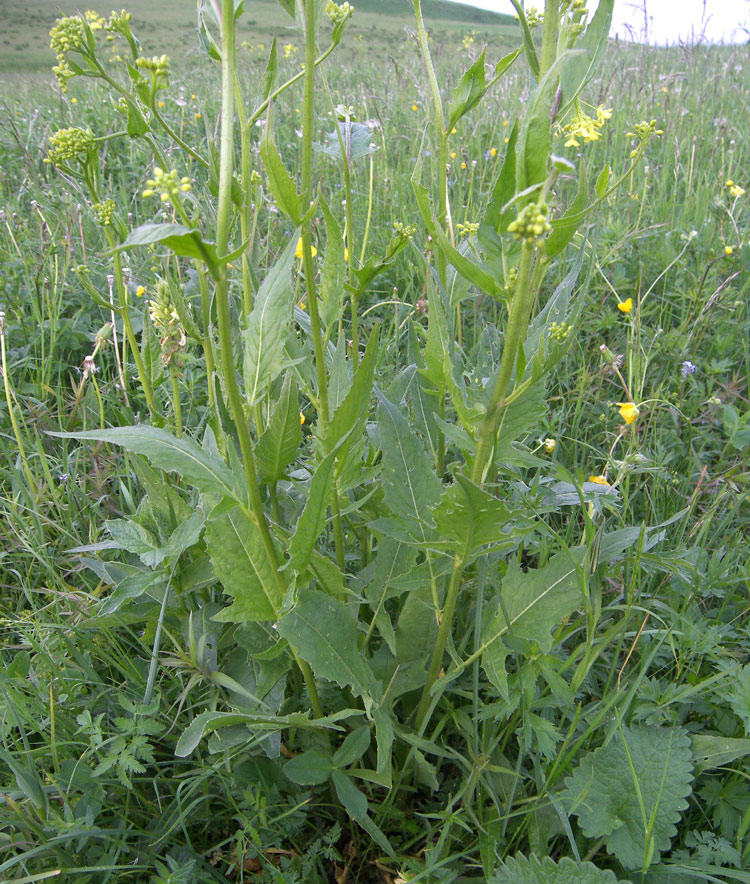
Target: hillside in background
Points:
(169, 25)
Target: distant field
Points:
(24, 46)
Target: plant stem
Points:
(549, 35)
(523, 298)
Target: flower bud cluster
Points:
(158, 65)
(644, 132)
(470, 228)
(166, 185)
(70, 144)
(95, 21)
(67, 35)
(531, 223)
(404, 232)
(104, 212)
(338, 14)
(560, 333)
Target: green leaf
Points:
(529, 607)
(269, 326)
(410, 484)
(272, 68)
(334, 270)
(281, 183)
(348, 421)
(353, 801)
(309, 769)
(579, 70)
(528, 39)
(240, 561)
(468, 93)
(313, 518)
(28, 781)
(470, 516)
(531, 870)
(184, 241)
(710, 751)
(357, 140)
(353, 748)
(198, 467)
(212, 721)
(633, 791)
(323, 631)
(280, 441)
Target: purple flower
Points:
(688, 367)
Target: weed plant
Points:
(376, 441)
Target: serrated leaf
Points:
(532, 870)
(280, 441)
(269, 77)
(309, 769)
(281, 183)
(529, 607)
(410, 484)
(323, 631)
(313, 518)
(269, 326)
(469, 91)
(198, 467)
(240, 561)
(633, 790)
(470, 515)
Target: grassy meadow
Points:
(177, 704)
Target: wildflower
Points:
(74, 100)
(338, 14)
(736, 191)
(628, 411)
(599, 480)
(140, 291)
(95, 21)
(453, 154)
(415, 107)
(104, 212)
(463, 165)
(643, 131)
(70, 144)
(301, 418)
(687, 368)
(728, 250)
(493, 151)
(625, 306)
(166, 322)
(550, 445)
(470, 228)
(585, 126)
(560, 333)
(730, 183)
(66, 36)
(298, 253)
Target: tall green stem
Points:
(549, 35)
(523, 299)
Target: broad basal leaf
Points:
(633, 792)
(529, 607)
(323, 631)
(532, 870)
(198, 467)
(240, 562)
(269, 326)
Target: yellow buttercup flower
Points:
(301, 418)
(728, 250)
(298, 251)
(625, 306)
(550, 445)
(140, 291)
(628, 411)
(599, 480)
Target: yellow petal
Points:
(628, 411)
(625, 306)
(599, 480)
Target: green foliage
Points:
(633, 791)
(532, 870)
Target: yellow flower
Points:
(346, 254)
(628, 411)
(625, 306)
(493, 151)
(550, 445)
(301, 418)
(453, 131)
(197, 116)
(735, 189)
(140, 291)
(728, 250)
(414, 107)
(599, 480)
(298, 251)
(453, 154)
(75, 101)
(505, 122)
(463, 165)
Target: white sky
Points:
(668, 20)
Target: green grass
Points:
(672, 650)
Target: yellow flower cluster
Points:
(166, 185)
(734, 189)
(585, 126)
